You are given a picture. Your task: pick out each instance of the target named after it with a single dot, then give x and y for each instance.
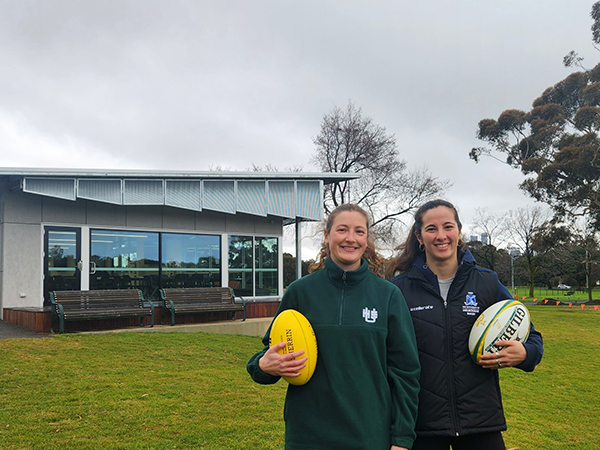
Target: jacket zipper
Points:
(342, 298)
(449, 362)
(449, 351)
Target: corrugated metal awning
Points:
(291, 195)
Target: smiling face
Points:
(347, 239)
(440, 235)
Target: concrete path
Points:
(249, 327)
(10, 331)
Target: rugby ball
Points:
(292, 327)
(505, 320)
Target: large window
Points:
(265, 265)
(190, 260)
(253, 265)
(124, 259)
(131, 259)
(240, 265)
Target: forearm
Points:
(535, 350)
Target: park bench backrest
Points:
(204, 295)
(102, 299)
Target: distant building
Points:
(484, 238)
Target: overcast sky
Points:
(192, 85)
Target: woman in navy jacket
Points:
(460, 404)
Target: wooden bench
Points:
(99, 304)
(199, 300)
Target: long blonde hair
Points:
(375, 261)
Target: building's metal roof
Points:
(290, 195)
(326, 177)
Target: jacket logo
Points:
(471, 308)
(421, 308)
(471, 299)
(370, 315)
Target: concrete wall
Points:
(22, 217)
(22, 281)
(21, 249)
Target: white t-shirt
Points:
(445, 287)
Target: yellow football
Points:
(292, 327)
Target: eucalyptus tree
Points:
(556, 144)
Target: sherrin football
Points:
(292, 327)
(503, 321)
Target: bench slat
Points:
(215, 308)
(199, 300)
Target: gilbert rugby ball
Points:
(292, 327)
(505, 320)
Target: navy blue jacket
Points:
(457, 396)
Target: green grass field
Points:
(191, 391)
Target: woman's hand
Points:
(276, 364)
(395, 447)
(511, 355)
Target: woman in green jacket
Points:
(364, 392)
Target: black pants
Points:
(479, 441)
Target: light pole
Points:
(513, 253)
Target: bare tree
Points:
(351, 143)
(490, 224)
(271, 168)
(522, 227)
(493, 226)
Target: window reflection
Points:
(266, 258)
(62, 260)
(240, 265)
(191, 260)
(130, 259)
(253, 265)
(124, 259)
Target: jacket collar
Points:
(466, 260)
(339, 276)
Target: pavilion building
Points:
(68, 229)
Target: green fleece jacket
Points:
(364, 392)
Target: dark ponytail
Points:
(410, 249)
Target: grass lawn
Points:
(191, 391)
(556, 406)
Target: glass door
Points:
(62, 260)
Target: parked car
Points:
(563, 286)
